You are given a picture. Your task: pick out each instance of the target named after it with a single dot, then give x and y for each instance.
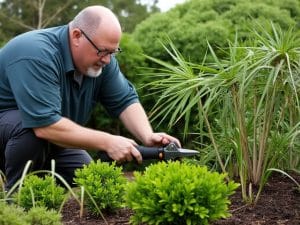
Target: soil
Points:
(279, 204)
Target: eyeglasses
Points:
(101, 53)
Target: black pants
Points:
(18, 145)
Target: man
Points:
(49, 82)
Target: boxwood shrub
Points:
(41, 216)
(12, 214)
(176, 193)
(105, 184)
(40, 191)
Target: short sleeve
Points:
(116, 92)
(35, 86)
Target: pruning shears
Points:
(168, 152)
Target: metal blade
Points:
(187, 152)
(173, 152)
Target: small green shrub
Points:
(178, 193)
(11, 215)
(105, 184)
(38, 191)
(42, 216)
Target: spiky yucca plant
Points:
(247, 104)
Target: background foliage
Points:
(192, 24)
(19, 16)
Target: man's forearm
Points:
(69, 134)
(136, 121)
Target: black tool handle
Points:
(146, 152)
(151, 152)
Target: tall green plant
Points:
(245, 103)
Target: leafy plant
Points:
(12, 215)
(42, 216)
(38, 191)
(178, 193)
(104, 184)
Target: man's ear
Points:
(75, 36)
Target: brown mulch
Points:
(279, 204)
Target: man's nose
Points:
(105, 59)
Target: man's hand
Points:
(161, 139)
(122, 149)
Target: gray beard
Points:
(93, 73)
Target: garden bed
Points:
(279, 204)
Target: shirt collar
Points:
(66, 51)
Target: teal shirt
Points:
(37, 78)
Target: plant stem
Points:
(212, 138)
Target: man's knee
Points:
(16, 140)
(18, 145)
(25, 146)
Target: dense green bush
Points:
(12, 215)
(131, 58)
(42, 216)
(38, 191)
(178, 193)
(104, 183)
(192, 24)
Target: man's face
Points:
(96, 57)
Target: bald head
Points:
(94, 30)
(96, 18)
